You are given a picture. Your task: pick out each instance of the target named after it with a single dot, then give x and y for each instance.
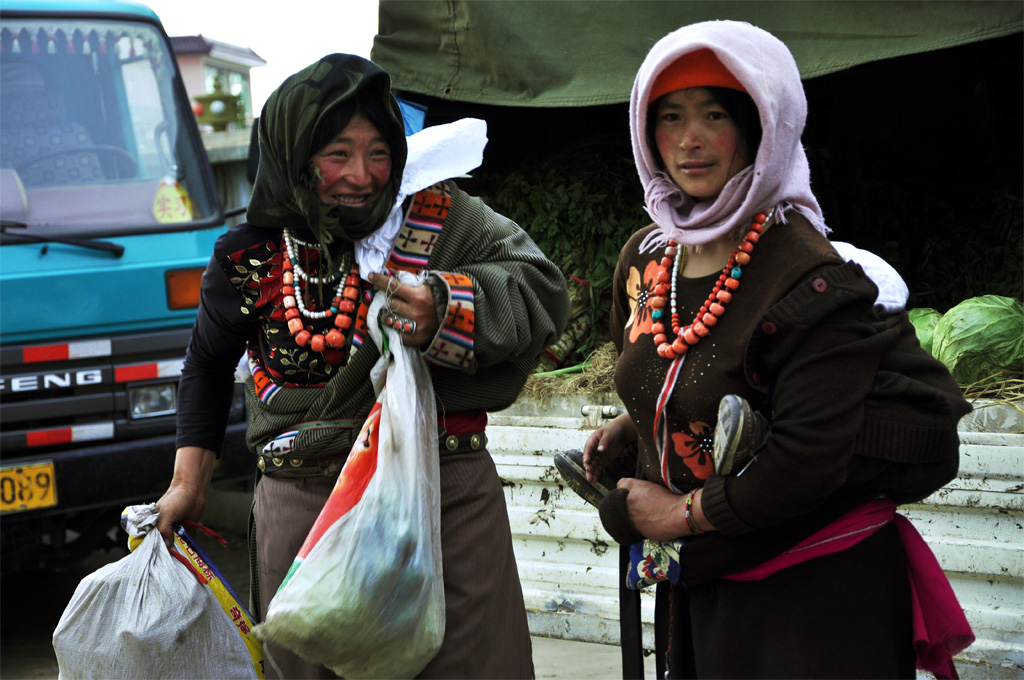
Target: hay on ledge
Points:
(1009, 392)
(599, 378)
(596, 378)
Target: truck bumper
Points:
(126, 473)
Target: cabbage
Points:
(924, 320)
(980, 337)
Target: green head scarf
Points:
(283, 194)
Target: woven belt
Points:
(462, 443)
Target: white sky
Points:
(287, 35)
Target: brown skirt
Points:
(486, 631)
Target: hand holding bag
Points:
(365, 594)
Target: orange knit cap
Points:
(696, 69)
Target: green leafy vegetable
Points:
(924, 320)
(580, 206)
(982, 338)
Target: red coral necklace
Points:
(709, 313)
(342, 308)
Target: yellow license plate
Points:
(27, 487)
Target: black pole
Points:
(630, 630)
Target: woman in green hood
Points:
(341, 201)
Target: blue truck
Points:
(109, 215)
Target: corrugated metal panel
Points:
(569, 565)
(975, 527)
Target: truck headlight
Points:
(149, 401)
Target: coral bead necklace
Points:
(342, 309)
(709, 313)
(688, 336)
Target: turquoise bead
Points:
(736, 272)
(656, 314)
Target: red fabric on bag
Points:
(352, 482)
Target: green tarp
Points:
(555, 53)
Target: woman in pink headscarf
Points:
(790, 563)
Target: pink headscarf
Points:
(780, 176)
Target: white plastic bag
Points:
(148, 616)
(365, 595)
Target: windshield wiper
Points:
(112, 248)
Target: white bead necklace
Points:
(290, 242)
(290, 254)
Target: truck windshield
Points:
(94, 130)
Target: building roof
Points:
(199, 45)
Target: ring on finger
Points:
(400, 323)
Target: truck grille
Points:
(72, 394)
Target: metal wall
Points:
(569, 565)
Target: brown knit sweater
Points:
(800, 340)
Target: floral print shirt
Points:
(255, 272)
(711, 369)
